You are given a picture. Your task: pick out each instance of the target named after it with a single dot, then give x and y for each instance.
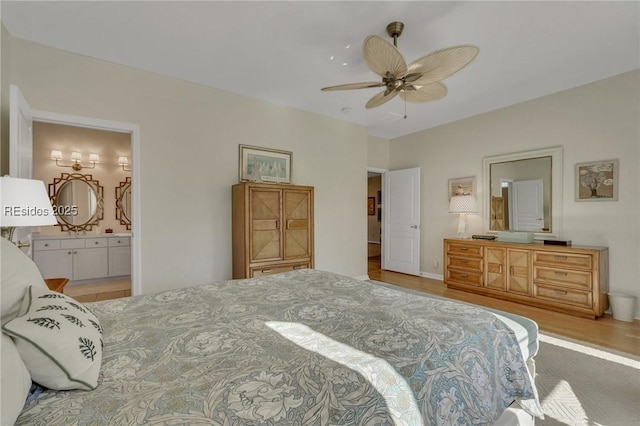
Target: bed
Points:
(304, 347)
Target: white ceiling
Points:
(279, 51)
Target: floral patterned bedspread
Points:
(300, 348)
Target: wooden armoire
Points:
(272, 228)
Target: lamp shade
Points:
(123, 161)
(76, 157)
(94, 158)
(25, 202)
(463, 204)
(56, 154)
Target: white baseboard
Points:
(362, 277)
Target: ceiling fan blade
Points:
(429, 92)
(442, 63)
(383, 57)
(350, 86)
(381, 98)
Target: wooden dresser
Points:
(272, 228)
(573, 280)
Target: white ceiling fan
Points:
(418, 81)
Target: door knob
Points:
(414, 226)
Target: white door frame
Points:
(134, 131)
(383, 206)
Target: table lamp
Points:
(463, 204)
(24, 202)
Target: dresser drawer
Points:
(564, 260)
(464, 249)
(563, 277)
(271, 270)
(96, 242)
(565, 296)
(46, 244)
(472, 264)
(119, 241)
(72, 243)
(467, 278)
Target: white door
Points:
(20, 150)
(401, 239)
(527, 205)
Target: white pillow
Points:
(16, 382)
(59, 340)
(18, 272)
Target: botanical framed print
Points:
(371, 206)
(462, 186)
(597, 181)
(265, 164)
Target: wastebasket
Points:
(623, 306)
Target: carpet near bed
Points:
(582, 384)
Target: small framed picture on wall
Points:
(597, 181)
(462, 186)
(371, 206)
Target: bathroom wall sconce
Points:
(76, 157)
(124, 161)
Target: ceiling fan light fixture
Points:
(418, 81)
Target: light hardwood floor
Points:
(605, 331)
(94, 292)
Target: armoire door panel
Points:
(265, 245)
(296, 243)
(296, 205)
(296, 232)
(265, 204)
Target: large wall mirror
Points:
(523, 192)
(123, 203)
(77, 201)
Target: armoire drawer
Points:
(271, 270)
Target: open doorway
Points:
(374, 219)
(73, 160)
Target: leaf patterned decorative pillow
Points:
(59, 340)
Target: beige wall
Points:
(597, 121)
(189, 136)
(109, 145)
(378, 153)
